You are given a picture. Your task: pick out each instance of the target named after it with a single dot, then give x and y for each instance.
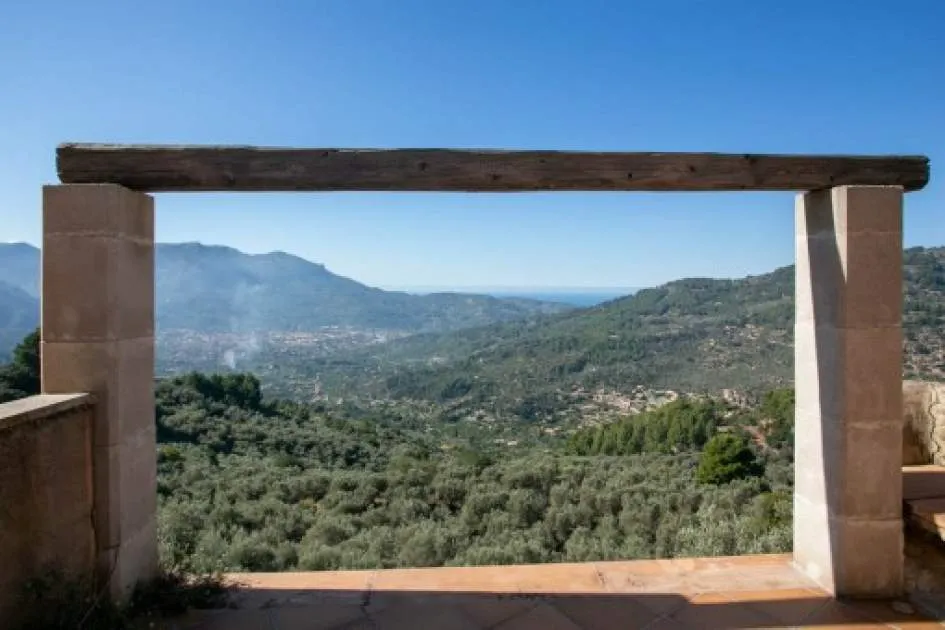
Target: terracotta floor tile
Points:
(420, 616)
(842, 624)
(715, 611)
(627, 578)
(250, 599)
(691, 576)
(448, 579)
(719, 616)
(663, 604)
(559, 578)
(191, 620)
(324, 616)
(381, 601)
(489, 611)
(305, 580)
(172, 623)
(722, 563)
(362, 624)
(666, 623)
(762, 560)
(741, 592)
(886, 611)
(834, 613)
(541, 617)
(776, 578)
(628, 583)
(604, 613)
(789, 607)
(790, 594)
(644, 567)
(264, 598)
(711, 581)
(722, 580)
(238, 620)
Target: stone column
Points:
(98, 337)
(848, 375)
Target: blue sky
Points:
(849, 76)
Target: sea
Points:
(581, 299)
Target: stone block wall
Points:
(45, 492)
(923, 434)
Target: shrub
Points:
(726, 458)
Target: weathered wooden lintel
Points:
(158, 168)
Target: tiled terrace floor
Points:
(743, 592)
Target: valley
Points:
(306, 421)
(699, 336)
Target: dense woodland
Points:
(250, 484)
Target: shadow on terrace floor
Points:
(746, 592)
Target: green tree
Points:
(726, 458)
(20, 378)
(777, 407)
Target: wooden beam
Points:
(223, 168)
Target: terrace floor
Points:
(742, 592)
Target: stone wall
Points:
(45, 492)
(923, 438)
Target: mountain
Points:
(213, 289)
(695, 334)
(19, 267)
(19, 314)
(220, 289)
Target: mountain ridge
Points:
(692, 334)
(219, 289)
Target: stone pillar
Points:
(848, 374)
(98, 337)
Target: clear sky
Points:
(847, 76)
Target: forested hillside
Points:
(247, 485)
(689, 335)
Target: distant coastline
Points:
(575, 296)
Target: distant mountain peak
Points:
(219, 289)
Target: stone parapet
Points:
(45, 492)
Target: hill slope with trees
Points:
(690, 335)
(249, 484)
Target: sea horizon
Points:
(575, 296)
